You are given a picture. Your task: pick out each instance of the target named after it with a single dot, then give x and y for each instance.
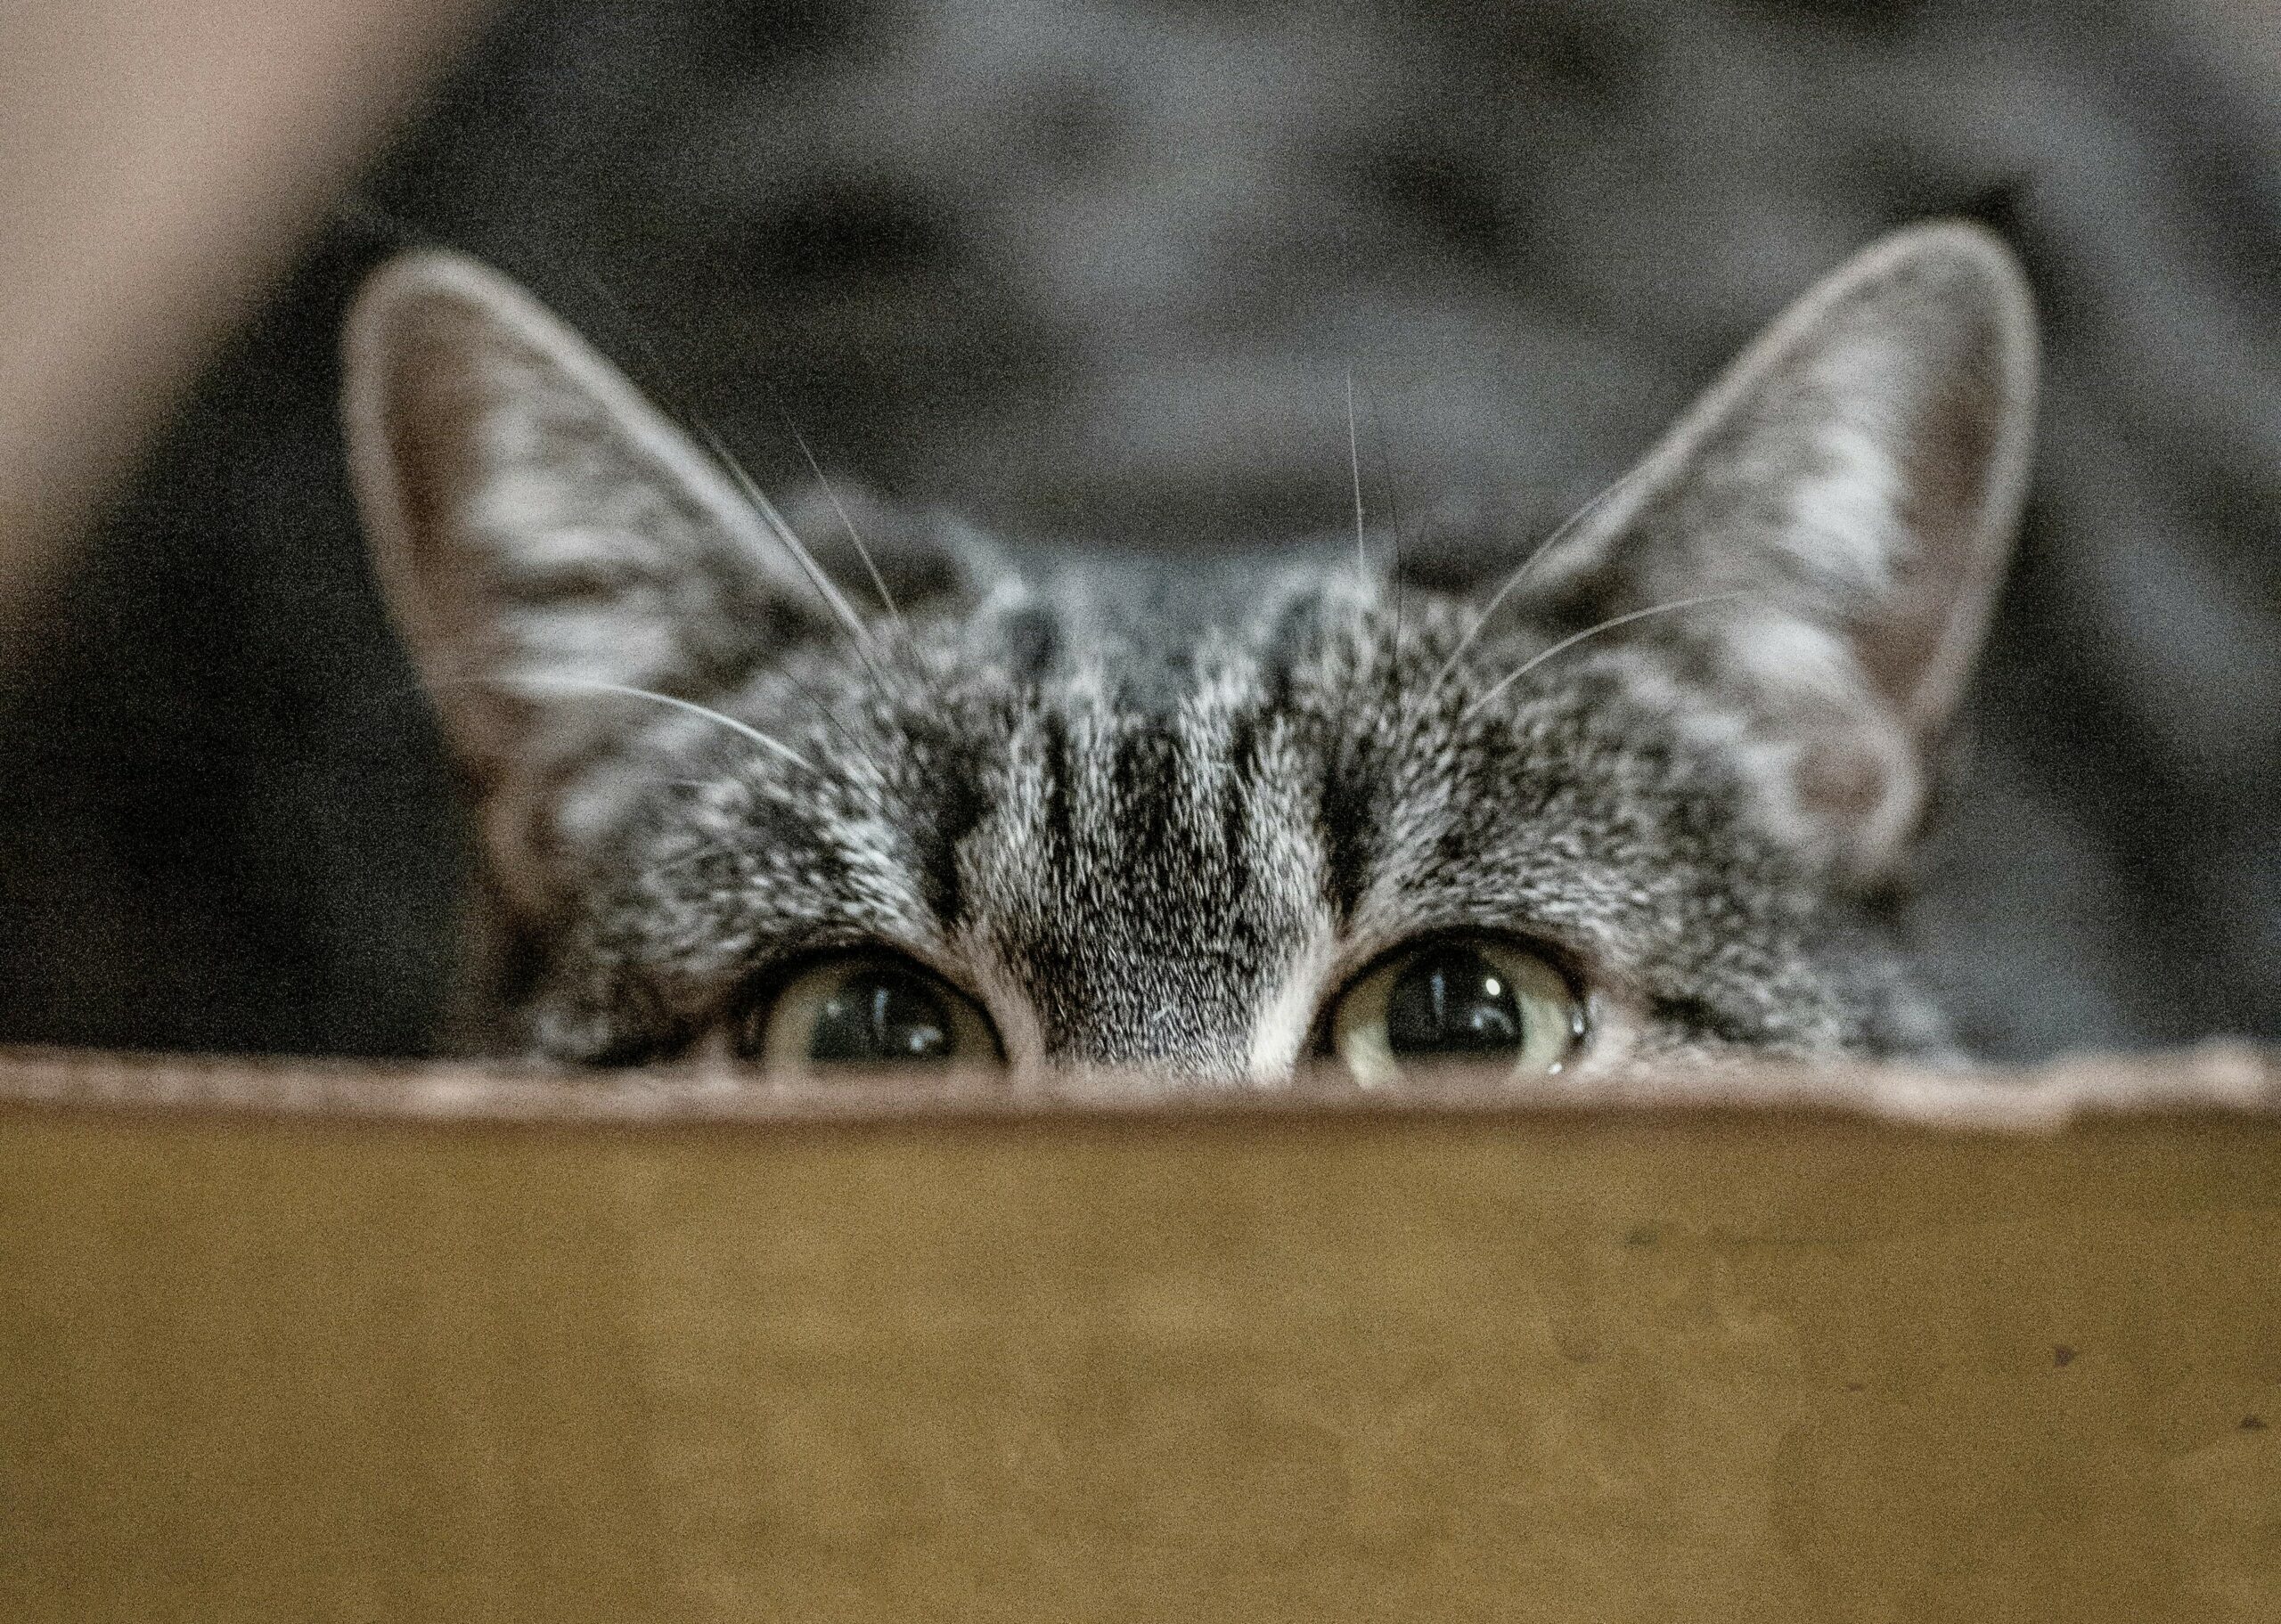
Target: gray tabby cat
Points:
(1647, 790)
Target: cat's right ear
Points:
(1818, 543)
(539, 531)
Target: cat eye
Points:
(1469, 998)
(872, 1009)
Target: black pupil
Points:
(880, 1013)
(1453, 1000)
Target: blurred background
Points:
(1097, 271)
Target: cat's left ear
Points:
(543, 536)
(1853, 479)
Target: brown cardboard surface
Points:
(314, 1343)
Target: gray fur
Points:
(1159, 813)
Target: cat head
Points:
(749, 786)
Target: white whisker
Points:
(1362, 563)
(1354, 465)
(833, 596)
(1570, 641)
(595, 685)
(854, 539)
(1560, 532)
(1390, 489)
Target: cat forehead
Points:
(1145, 883)
(1295, 742)
(1142, 634)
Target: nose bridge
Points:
(1152, 939)
(1161, 969)
(1209, 1065)
(1144, 997)
(1095, 1046)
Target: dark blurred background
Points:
(1097, 271)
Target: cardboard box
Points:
(315, 1343)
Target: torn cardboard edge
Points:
(2218, 1078)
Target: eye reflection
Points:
(1460, 1000)
(868, 1009)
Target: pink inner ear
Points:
(1960, 497)
(1845, 780)
(432, 412)
(434, 403)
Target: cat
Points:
(1097, 271)
(749, 787)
